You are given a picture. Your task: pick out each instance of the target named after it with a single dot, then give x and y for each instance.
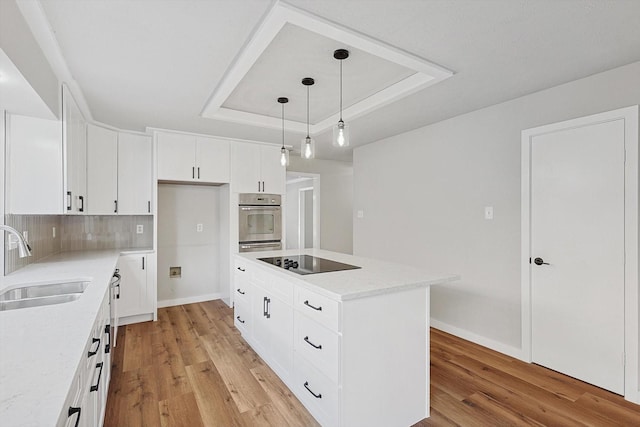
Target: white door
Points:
(176, 157)
(102, 171)
(212, 160)
(135, 175)
(577, 230)
(273, 173)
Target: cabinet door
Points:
(135, 177)
(135, 295)
(33, 166)
(281, 329)
(176, 157)
(212, 160)
(273, 173)
(245, 168)
(272, 324)
(102, 171)
(74, 143)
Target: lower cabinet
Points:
(362, 361)
(86, 402)
(137, 294)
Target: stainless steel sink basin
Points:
(36, 295)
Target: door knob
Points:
(540, 261)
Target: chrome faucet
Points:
(23, 246)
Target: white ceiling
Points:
(156, 62)
(296, 53)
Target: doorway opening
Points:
(302, 215)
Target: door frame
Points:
(631, 300)
(300, 216)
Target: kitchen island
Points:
(353, 344)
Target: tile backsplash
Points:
(75, 233)
(40, 237)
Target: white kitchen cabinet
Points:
(263, 310)
(191, 158)
(341, 358)
(102, 171)
(86, 401)
(136, 286)
(135, 174)
(74, 145)
(243, 294)
(33, 166)
(256, 168)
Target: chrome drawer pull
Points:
(309, 305)
(317, 396)
(319, 347)
(239, 319)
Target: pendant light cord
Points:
(307, 111)
(341, 90)
(282, 125)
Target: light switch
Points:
(360, 214)
(488, 212)
(199, 228)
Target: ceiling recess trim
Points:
(426, 73)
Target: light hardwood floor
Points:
(192, 368)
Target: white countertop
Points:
(41, 347)
(373, 278)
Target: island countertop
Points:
(374, 277)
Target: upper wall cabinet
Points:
(102, 171)
(256, 168)
(74, 145)
(135, 176)
(191, 158)
(119, 176)
(33, 166)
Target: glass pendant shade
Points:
(341, 134)
(308, 148)
(284, 157)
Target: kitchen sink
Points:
(37, 295)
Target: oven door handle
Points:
(261, 245)
(259, 208)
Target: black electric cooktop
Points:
(307, 264)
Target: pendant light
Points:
(308, 148)
(341, 130)
(284, 153)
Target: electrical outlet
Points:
(360, 214)
(199, 228)
(488, 212)
(13, 242)
(25, 234)
(139, 229)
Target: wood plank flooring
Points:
(192, 368)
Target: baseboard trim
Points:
(189, 300)
(479, 339)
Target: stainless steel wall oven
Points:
(259, 222)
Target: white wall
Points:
(336, 195)
(180, 208)
(423, 195)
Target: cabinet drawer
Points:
(317, 392)
(242, 292)
(242, 317)
(317, 344)
(319, 308)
